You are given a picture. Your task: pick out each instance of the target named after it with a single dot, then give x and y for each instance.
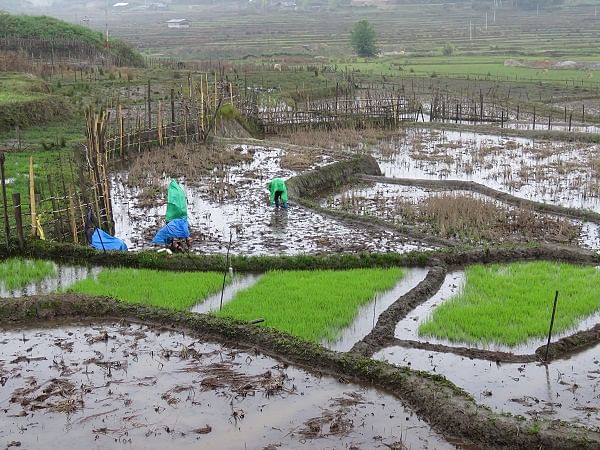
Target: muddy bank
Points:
(383, 332)
(331, 176)
(444, 406)
(572, 213)
(469, 352)
(570, 344)
(456, 257)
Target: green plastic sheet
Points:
(176, 202)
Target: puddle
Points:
(213, 302)
(368, 314)
(107, 385)
(65, 277)
(255, 227)
(407, 328)
(565, 389)
(554, 172)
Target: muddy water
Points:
(407, 329)
(255, 227)
(132, 386)
(65, 277)
(553, 172)
(213, 302)
(368, 314)
(565, 389)
(382, 200)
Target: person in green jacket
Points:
(277, 193)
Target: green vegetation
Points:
(51, 29)
(512, 303)
(18, 272)
(364, 39)
(171, 290)
(313, 305)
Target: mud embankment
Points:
(443, 405)
(383, 332)
(571, 213)
(330, 177)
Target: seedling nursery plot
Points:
(510, 304)
(487, 326)
(173, 290)
(313, 305)
(20, 276)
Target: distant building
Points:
(178, 23)
(287, 5)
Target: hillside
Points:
(55, 30)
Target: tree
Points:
(363, 39)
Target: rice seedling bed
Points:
(511, 304)
(313, 305)
(174, 290)
(19, 272)
(169, 388)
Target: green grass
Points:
(473, 66)
(510, 304)
(313, 305)
(16, 97)
(52, 29)
(173, 290)
(18, 272)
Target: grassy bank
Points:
(18, 272)
(510, 304)
(312, 305)
(171, 290)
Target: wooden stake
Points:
(18, 218)
(551, 325)
(32, 198)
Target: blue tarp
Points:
(104, 241)
(175, 229)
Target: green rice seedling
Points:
(313, 305)
(18, 272)
(511, 304)
(173, 290)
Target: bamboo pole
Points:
(32, 198)
(72, 223)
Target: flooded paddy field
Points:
(566, 389)
(235, 201)
(460, 214)
(560, 173)
(105, 384)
